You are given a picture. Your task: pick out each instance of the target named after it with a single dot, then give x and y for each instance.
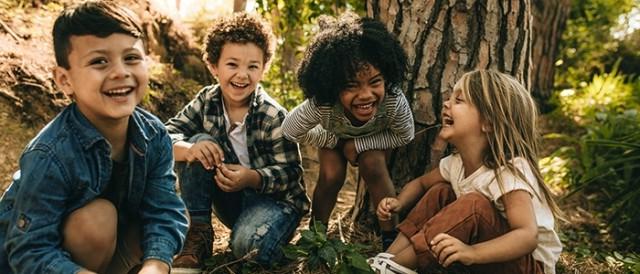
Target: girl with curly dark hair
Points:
(355, 110)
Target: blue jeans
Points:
(256, 221)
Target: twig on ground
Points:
(10, 31)
(245, 257)
(340, 228)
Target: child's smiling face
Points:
(107, 77)
(363, 95)
(239, 70)
(460, 118)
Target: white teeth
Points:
(447, 121)
(367, 106)
(239, 85)
(120, 91)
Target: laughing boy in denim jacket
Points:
(95, 191)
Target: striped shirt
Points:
(275, 158)
(322, 126)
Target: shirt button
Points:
(21, 223)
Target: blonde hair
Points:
(510, 111)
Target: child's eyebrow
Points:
(377, 75)
(97, 51)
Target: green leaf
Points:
(342, 268)
(293, 252)
(329, 255)
(359, 262)
(314, 262)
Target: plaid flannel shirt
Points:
(275, 158)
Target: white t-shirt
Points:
(237, 134)
(483, 181)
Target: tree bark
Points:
(239, 5)
(443, 40)
(548, 20)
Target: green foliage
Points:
(607, 92)
(631, 262)
(333, 254)
(605, 159)
(588, 38)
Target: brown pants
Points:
(471, 218)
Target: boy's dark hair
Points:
(239, 28)
(99, 18)
(341, 49)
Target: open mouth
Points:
(239, 85)
(118, 92)
(364, 107)
(446, 120)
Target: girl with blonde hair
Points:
(486, 206)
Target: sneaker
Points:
(197, 248)
(383, 264)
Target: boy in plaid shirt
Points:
(231, 153)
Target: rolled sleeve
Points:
(163, 212)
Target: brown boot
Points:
(197, 248)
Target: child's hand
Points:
(349, 151)
(231, 178)
(449, 249)
(208, 153)
(387, 207)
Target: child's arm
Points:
(206, 152)
(410, 193)
(400, 131)
(33, 235)
(521, 240)
(161, 210)
(301, 126)
(189, 121)
(283, 168)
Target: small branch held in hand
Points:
(248, 256)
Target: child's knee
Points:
(475, 200)
(262, 242)
(332, 177)
(372, 163)
(94, 225)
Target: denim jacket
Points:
(66, 166)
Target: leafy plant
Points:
(605, 158)
(631, 262)
(333, 254)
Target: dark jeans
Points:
(256, 221)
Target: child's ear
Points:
(213, 69)
(486, 127)
(62, 79)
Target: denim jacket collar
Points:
(88, 135)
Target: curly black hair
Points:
(239, 28)
(342, 48)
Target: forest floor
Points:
(585, 236)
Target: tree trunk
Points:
(239, 5)
(548, 20)
(443, 40)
